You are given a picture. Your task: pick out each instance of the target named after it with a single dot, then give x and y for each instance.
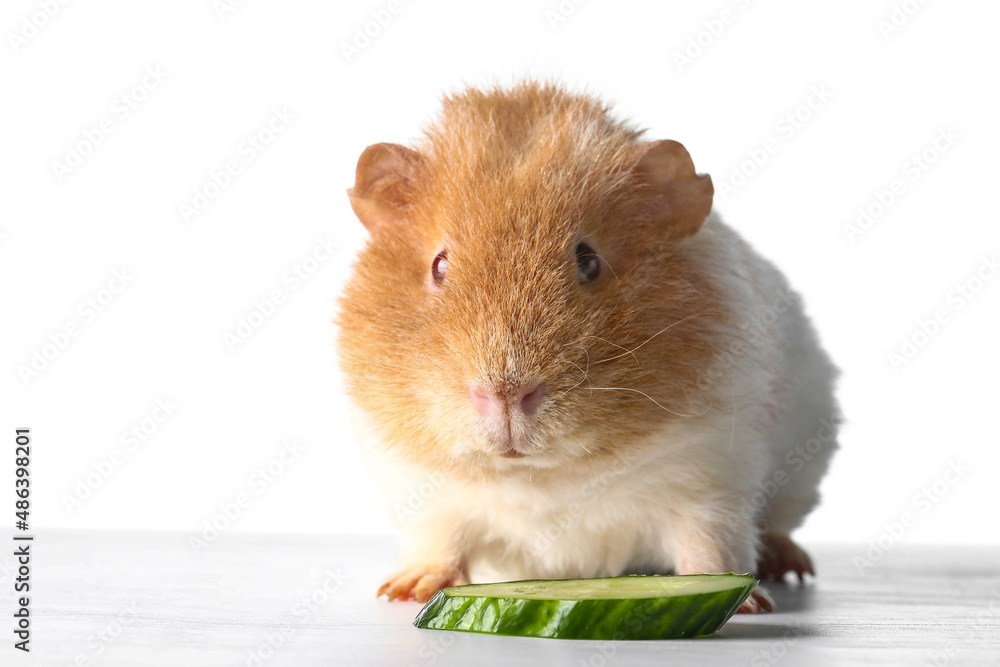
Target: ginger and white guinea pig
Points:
(562, 363)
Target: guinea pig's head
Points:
(525, 298)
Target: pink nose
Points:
(521, 399)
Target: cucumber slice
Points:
(630, 607)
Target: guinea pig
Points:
(562, 363)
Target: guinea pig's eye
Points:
(588, 264)
(439, 267)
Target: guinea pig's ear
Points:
(684, 197)
(384, 185)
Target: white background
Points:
(192, 281)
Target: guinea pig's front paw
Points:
(780, 555)
(421, 582)
(758, 603)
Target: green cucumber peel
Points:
(609, 608)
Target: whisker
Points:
(581, 381)
(586, 373)
(617, 280)
(681, 321)
(420, 359)
(655, 401)
(626, 350)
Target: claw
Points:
(780, 555)
(758, 602)
(420, 583)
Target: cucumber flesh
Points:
(630, 607)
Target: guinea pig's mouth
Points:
(509, 441)
(512, 445)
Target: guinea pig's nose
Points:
(531, 399)
(524, 399)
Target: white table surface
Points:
(148, 599)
